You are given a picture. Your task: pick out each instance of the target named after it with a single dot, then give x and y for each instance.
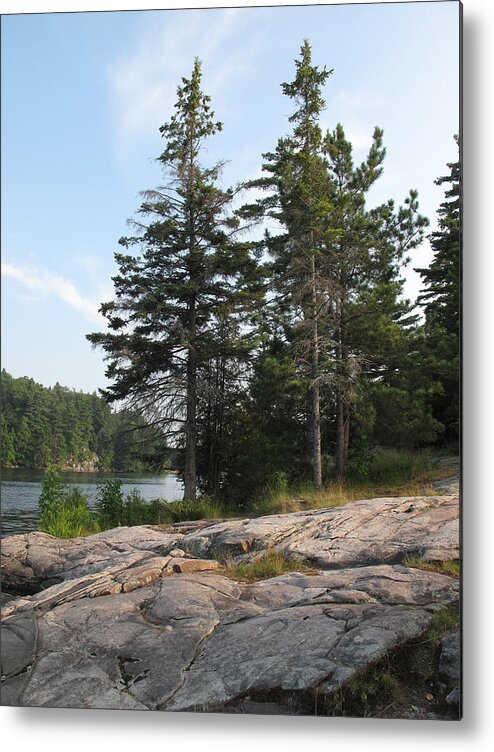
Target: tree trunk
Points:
(342, 435)
(314, 387)
(342, 405)
(190, 481)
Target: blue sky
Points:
(84, 94)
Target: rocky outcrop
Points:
(201, 641)
(366, 532)
(143, 617)
(36, 560)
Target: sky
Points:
(84, 95)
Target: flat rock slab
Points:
(203, 642)
(356, 534)
(360, 533)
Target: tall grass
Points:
(388, 465)
(388, 473)
(64, 511)
(204, 508)
(449, 567)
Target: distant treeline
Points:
(72, 429)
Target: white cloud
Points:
(143, 83)
(45, 284)
(359, 137)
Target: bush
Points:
(114, 510)
(72, 518)
(53, 491)
(203, 508)
(64, 512)
(110, 504)
(136, 511)
(386, 465)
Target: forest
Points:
(76, 431)
(257, 356)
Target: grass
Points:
(363, 692)
(443, 621)
(65, 512)
(64, 526)
(271, 564)
(202, 508)
(385, 473)
(302, 497)
(450, 568)
(390, 473)
(71, 517)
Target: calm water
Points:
(20, 490)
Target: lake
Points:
(20, 491)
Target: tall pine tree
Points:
(335, 268)
(297, 183)
(168, 300)
(362, 253)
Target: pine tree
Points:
(336, 267)
(362, 254)
(164, 319)
(440, 299)
(297, 181)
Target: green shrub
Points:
(160, 512)
(64, 511)
(53, 491)
(203, 508)
(361, 464)
(136, 511)
(394, 465)
(110, 503)
(114, 510)
(72, 518)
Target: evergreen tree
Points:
(297, 184)
(362, 254)
(164, 319)
(440, 299)
(336, 267)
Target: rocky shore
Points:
(145, 618)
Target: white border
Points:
(23, 728)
